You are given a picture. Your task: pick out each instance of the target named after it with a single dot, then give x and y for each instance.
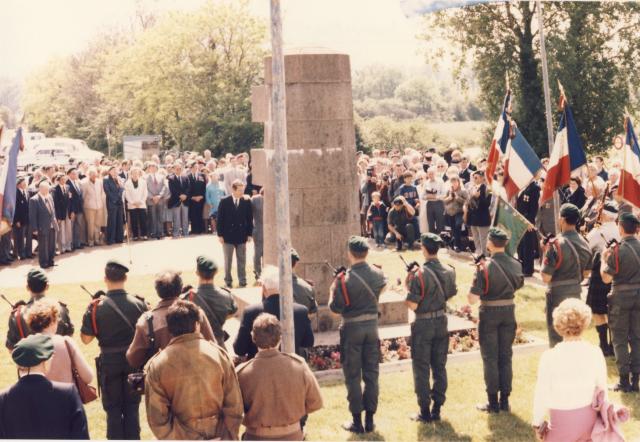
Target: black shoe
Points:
(435, 412)
(355, 426)
(504, 402)
(635, 383)
(369, 426)
(243, 285)
(424, 415)
(491, 406)
(623, 386)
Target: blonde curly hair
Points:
(571, 317)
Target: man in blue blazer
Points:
(42, 219)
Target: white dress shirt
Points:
(568, 376)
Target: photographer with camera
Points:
(434, 192)
(400, 223)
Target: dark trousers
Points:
(429, 348)
(360, 358)
(19, 234)
(46, 247)
(28, 242)
(435, 216)
(195, 216)
(497, 331)
(408, 233)
(138, 222)
(5, 248)
(156, 214)
(455, 223)
(120, 402)
(553, 300)
(527, 251)
(624, 322)
(115, 224)
(76, 232)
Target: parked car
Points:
(43, 156)
(77, 149)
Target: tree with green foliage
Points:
(591, 46)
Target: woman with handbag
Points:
(67, 363)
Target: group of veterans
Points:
(193, 391)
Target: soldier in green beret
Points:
(112, 319)
(354, 295)
(567, 261)
(216, 302)
(37, 286)
(494, 285)
(428, 288)
(303, 291)
(622, 267)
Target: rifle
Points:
(477, 259)
(409, 266)
(95, 295)
(609, 243)
(336, 271)
(13, 306)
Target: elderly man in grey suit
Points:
(157, 191)
(42, 218)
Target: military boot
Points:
(624, 385)
(635, 382)
(491, 406)
(423, 416)
(435, 412)
(356, 425)
(504, 402)
(369, 426)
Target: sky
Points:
(370, 31)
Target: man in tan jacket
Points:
(93, 201)
(278, 389)
(191, 389)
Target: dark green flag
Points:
(512, 222)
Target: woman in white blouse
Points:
(135, 193)
(568, 378)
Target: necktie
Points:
(235, 201)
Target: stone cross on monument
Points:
(323, 183)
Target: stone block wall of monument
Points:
(323, 183)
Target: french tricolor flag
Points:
(629, 188)
(500, 139)
(567, 155)
(521, 164)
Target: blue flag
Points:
(8, 177)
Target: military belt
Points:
(563, 283)
(497, 303)
(110, 350)
(624, 287)
(273, 432)
(360, 318)
(430, 315)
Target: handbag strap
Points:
(74, 369)
(115, 308)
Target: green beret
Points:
(358, 244)
(294, 255)
(498, 233)
(118, 265)
(569, 210)
(629, 217)
(32, 350)
(36, 275)
(206, 264)
(431, 240)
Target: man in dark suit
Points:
(244, 346)
(178, 202)
(527, 205)
(35, 407)
(198, 188)
(42, 218)
(76, 212)
(113, 191)
(235, 227)
(21, 218)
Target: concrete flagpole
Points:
(281, 169)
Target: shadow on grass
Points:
(509, 427)
(366, 436)
(632, 402)
(440, 431)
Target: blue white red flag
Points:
(521, 164)
(629, 188)
(567, 155)
(8, 176)
(500, 139)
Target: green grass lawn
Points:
(461, 421)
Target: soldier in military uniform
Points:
(216, 302)
(37, 285)
(429, 287)
(111, 319)
(567, 261)
(303, 291)
(354, 295)
(622, 268)
(527, 205)
(494, 285)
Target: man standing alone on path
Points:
(235, 227)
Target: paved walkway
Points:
(146, 257)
